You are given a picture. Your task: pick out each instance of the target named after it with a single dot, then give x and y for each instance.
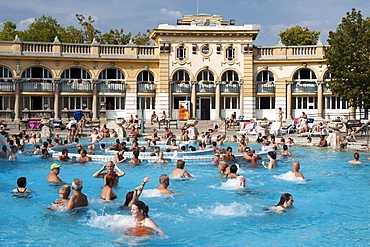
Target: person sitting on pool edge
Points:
(78, 199)
(21, 182)
(286, 201)
(296, 166)
(164, 182)
(53, 175)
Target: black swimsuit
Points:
(25, 190)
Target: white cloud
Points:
(170, 13)
(23, 24)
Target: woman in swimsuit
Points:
(272, 163)
(286, 200)
(145, 225)
(21, 182)
(64, 193)
(179, 171)
(109, 181)
(323, 142)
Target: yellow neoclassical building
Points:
(203, 60)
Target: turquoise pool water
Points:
(330, 208)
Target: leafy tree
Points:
(9, 31)
(43, 29)
(115, 36)
(348, 59)
(298, 35)
(142, 39)
(89, 31)
(72, 35)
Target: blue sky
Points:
(269, 16)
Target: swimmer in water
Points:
(356, 157)
(64, 193)
(133, 196)
(160, 158)
(53, 175)
(241, 181)
(285, 150)
(232, 174)
(164, 182)
(272, 163)
(286, 201)
(179, 171)
(21, 182)
(296, 166)
(78, 199)
(110, 166)
(109, 183)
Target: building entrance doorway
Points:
(205, 109)
(36, 103)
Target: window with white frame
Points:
(181, 52)
(181, 75)
(5, 72)
(76, 102)
(37, 72)
(304, 75)
(113, 102)
(145, 76)
(265, 103)
(111, 74)
(145, 102)
(7, 102)
(335, 102)
(230, 102)
(37, 102)
(230, 53)
(177, 99)
(205, 75)
(265, 76)
(230, 75)
(75, 73)
(304, 103)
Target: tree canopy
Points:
(348, 59)
(46, 28)
(298, 35)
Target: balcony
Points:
(230, 88)
(76, 85)
(265, 87)
(7, 85)
(146, 87)
(38, 85)
(181, 87)
(206, 87)
(304, 87)
(112, 86)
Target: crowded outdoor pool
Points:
(330, 207)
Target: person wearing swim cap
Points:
(53, 175)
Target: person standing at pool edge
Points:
(53, 175)
(78, 199)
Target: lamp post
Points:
(142, 115)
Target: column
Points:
(352, 113)
(95, 100)
(218, 100)
(320, 100)
(289, 101)
(241, 105)
(193, 99)
(56, 99)
(17, 112)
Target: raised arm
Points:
(138, 191)
(119, 172)
(99, 173)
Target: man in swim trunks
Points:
(64, 156)
(53, 175)
(78, 199)
(153, 118)
(296, 168)
(164, 182)
(228, 157)
(109, 166)
(83, 158)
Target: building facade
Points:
(203, 59)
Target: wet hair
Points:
(65, 190)
(44, 151)
(110, 179)
(77, 184)
(141, 206)
(192, 148)
(180, 164)
(284, 198)
(356, 156)
(102, 145)
(285, 147)
(83, 151)
(272, 154)
(129, 197)
(21, 182)
(64, 151)
(309, 138)
(163, 178)
(152, 154)
(142, 149)
(183, 148)
(136, 153)
(229, 149)
(233, 169)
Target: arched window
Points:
(230, 76)
(205, 75)
(5, 72)
(304, 75)
(75, 73)
(327, 76)
(145, 76)
(265, 76)
(37, 72)
(111, 74)
(181, 76)
(181, 52)
(230, 53)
